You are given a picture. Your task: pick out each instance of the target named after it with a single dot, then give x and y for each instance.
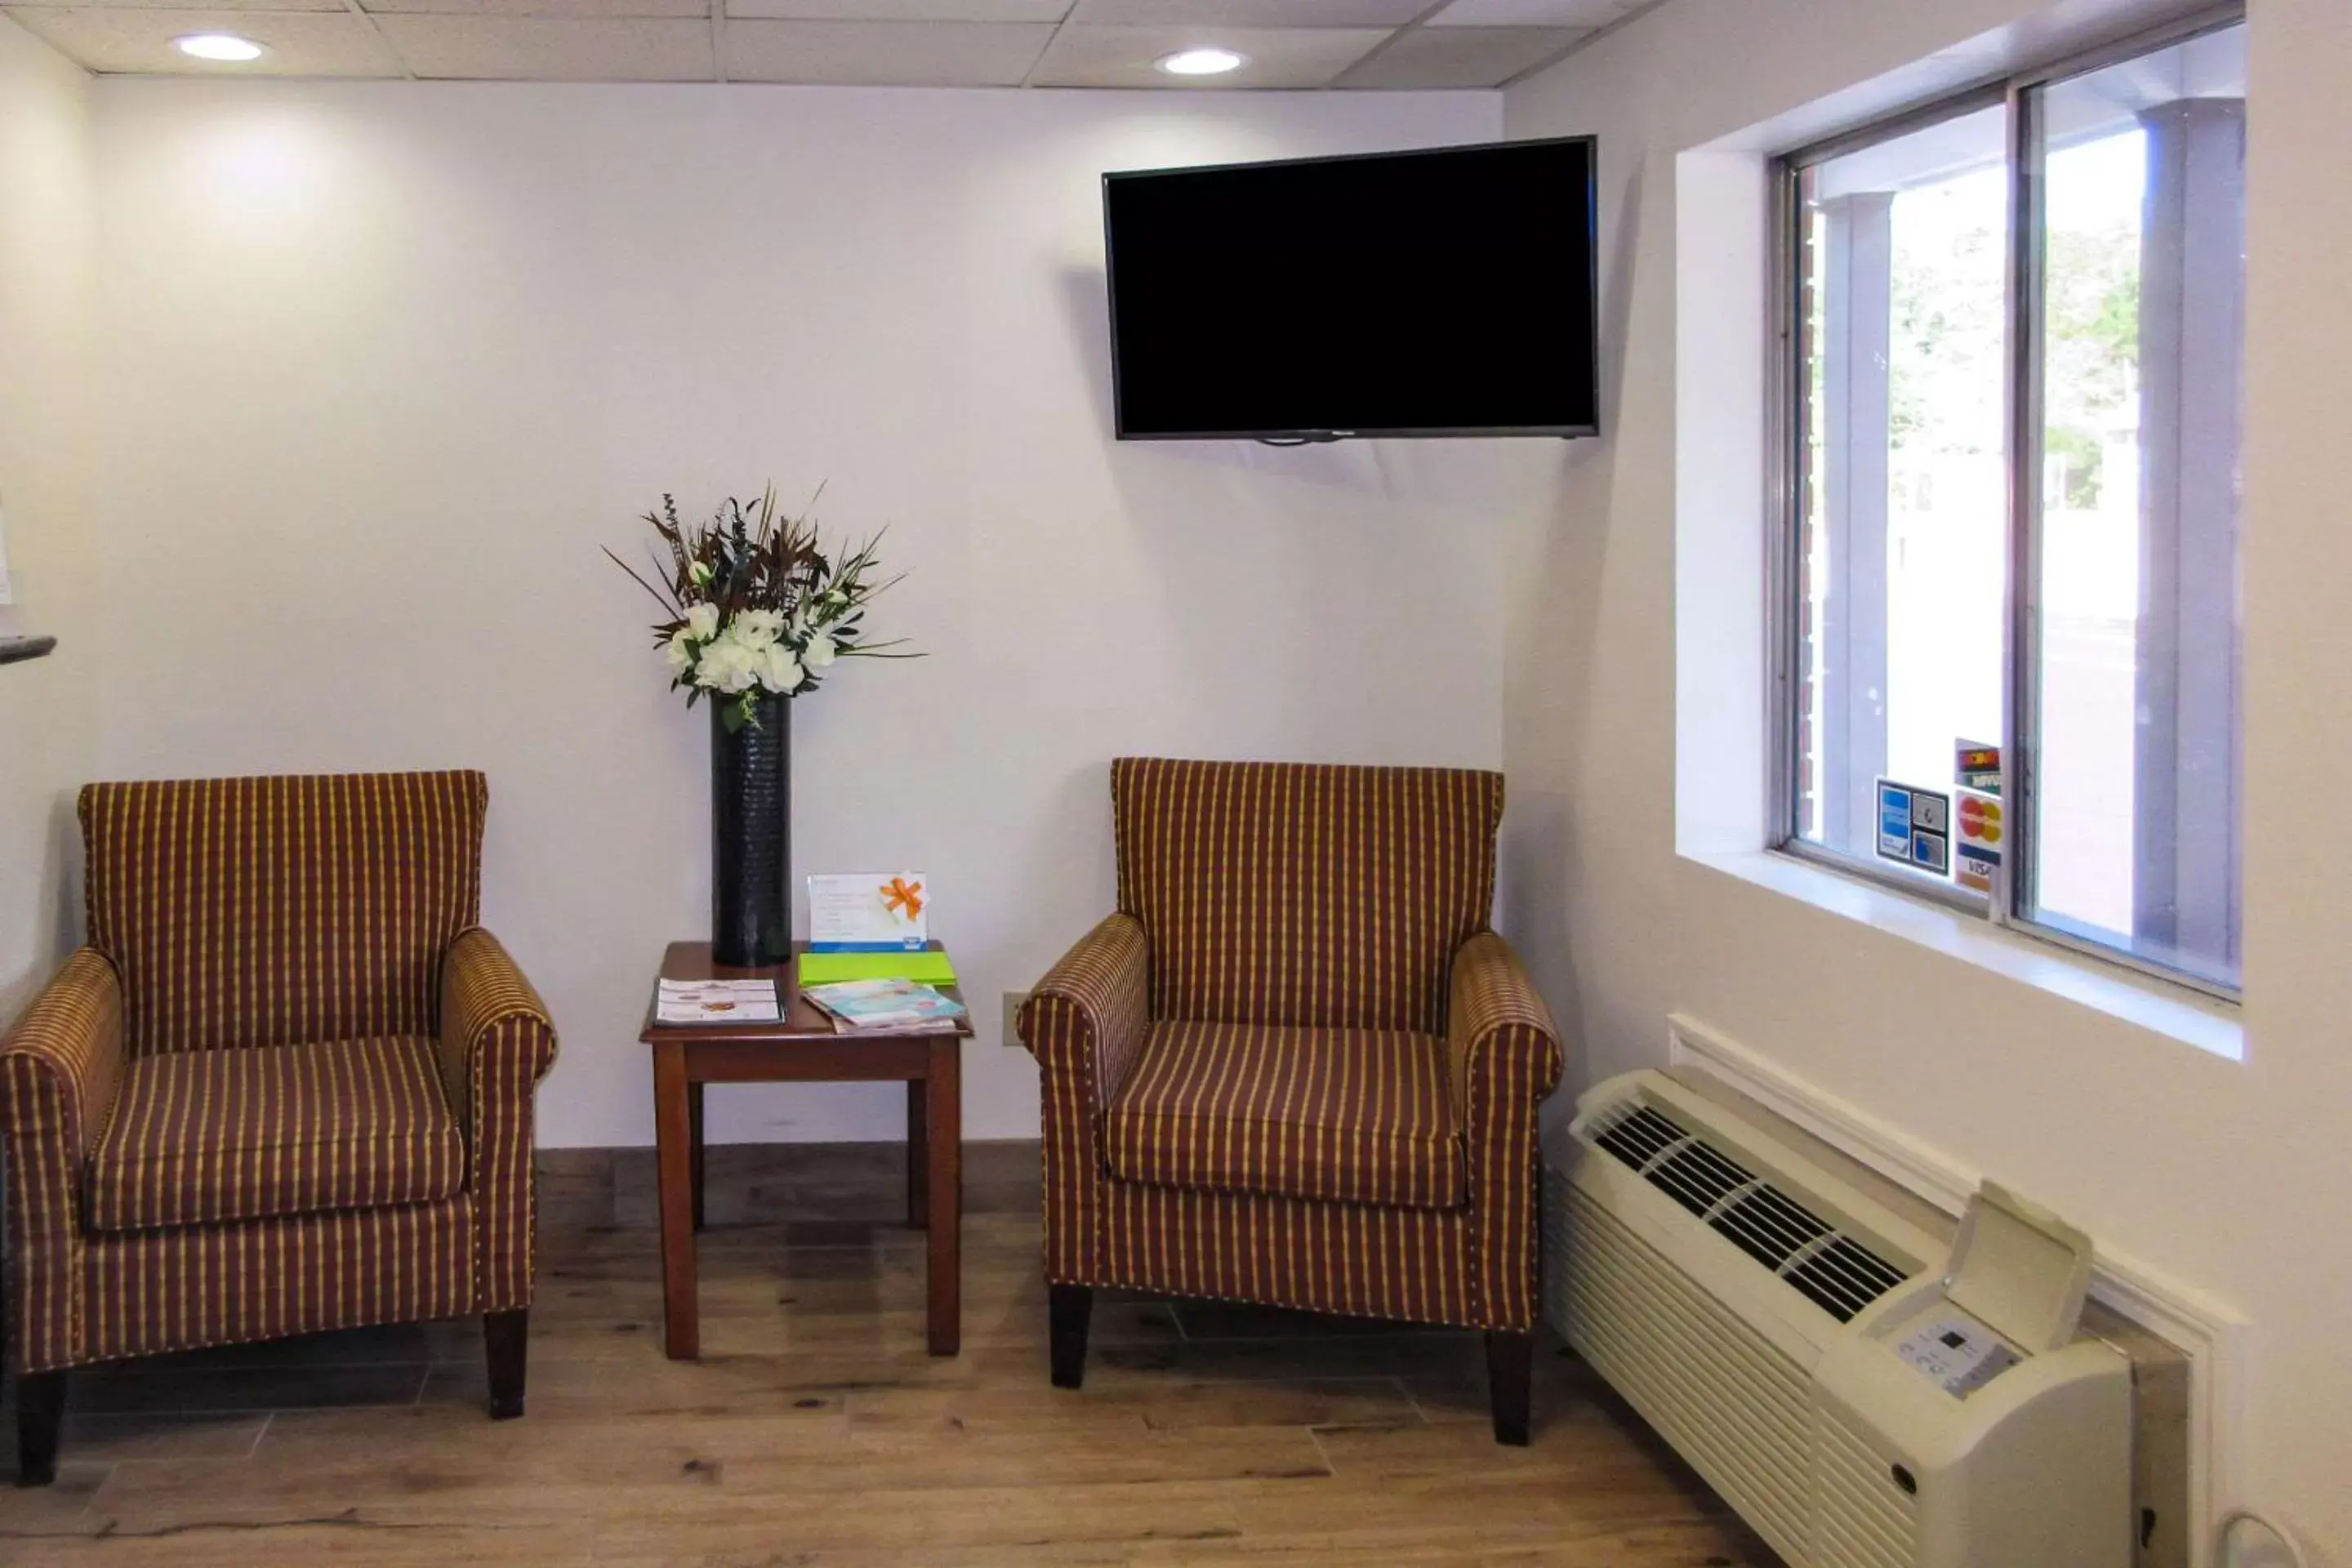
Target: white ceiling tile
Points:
(300, 43)
(1460, 57)
(589, 8)
(1248, 13)
(1272, 56)
(904, 10)
(884, 54)
(1533, 13)
(548, 49)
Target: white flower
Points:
(680, 652)
(702, 622)
(726, 666)
(699, 573)
(819, 652)
(756, 628)
(779, 672)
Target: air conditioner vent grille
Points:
(1843, 1278)
(1641, 1137)
(1837, 1273)
(1769, 1227)
(1698, 1178)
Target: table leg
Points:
(919, 1150)
(694, 1129)
(674, 1153)
(944, 1128)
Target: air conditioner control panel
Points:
(1953, 1351)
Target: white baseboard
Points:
(2208, 1332)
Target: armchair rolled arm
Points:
(487, 1003)
(60, 1066)
(1505, 1058)
(1493, 1008)
(1084, 1023)
(71, 1041)
(497, 1042)
(1088, 1016)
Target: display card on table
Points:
(872, 911)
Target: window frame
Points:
(1789, 346)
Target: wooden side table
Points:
(803, 1048)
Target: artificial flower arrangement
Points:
(755, 604)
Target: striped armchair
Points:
(287, 1086)
(1295, 1067)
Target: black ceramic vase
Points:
(751, 833)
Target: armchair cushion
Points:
(210, 1135)
(1304, 894)
(1342, 1115)
(270, 911)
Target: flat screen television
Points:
(1443, 292)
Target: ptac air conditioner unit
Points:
(1865, 1396)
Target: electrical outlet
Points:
(1012, 1000)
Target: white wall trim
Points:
(2209, 1332)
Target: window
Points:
(2012, 386)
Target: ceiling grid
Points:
(1371, 45)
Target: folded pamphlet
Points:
(865, 1006)
(717, 1002)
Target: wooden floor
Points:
(815, 1431)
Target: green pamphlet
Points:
(825, 968)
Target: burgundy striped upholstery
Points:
(273, 912)
(497, 1043)
(1363, 1259)
(245, 1134)
(152, 1292)
(1289, 893)
(1084, 1023)
(1505, 1058)
(59, 1067)
(1353, 1115)
(1298, 1069)
(287, 1087)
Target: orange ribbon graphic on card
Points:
(901, 897)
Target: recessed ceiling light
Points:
(1201, 62)
(218, 46)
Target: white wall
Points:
(387, 364)
(2230, 1175)
(48, 708)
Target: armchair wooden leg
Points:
(506, 1336)
(1071, 1305)
(1510, 1378)
(40, 1416)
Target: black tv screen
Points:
(1447, 292)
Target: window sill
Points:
(2149, 1003)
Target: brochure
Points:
(717, 1002)
(860, 1007)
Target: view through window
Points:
(1958, 323)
